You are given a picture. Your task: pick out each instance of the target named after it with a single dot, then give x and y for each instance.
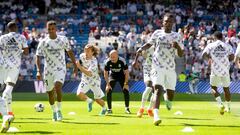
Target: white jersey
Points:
(11, 45)
(91, 65)
(219, 52)
(147, 63)
(164, 54)
(53, 51)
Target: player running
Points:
(12, 45)
(166, 43)
(147, 67)
(52, 49)
(220, 54)
(90, 80)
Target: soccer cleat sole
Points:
(157, 122)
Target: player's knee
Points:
(149, 83)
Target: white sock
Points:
(151, 102)
(165, 96)
(228, 103)
(104, 107)
(53, 108)
(3, 109)
(145, 96)
(7, 96)
(219, 101)
(89, 100)
(155, 113)
(59, 106)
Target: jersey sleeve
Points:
(230, 50)
(66, 44)
(24, 42)
(179, 41)
(107, 66)
(153, 38)
(206, 50)
(125, 66)
(40, 50)
(237, 54)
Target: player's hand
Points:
(39, 76)
(78, 63)
(175, 45)
(108, 87)
(126, 87)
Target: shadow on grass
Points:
(37, 122)
(90, 123)
(203, 125)
(40, 119)
(186, 118)
(36, 132)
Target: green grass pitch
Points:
(200, 112)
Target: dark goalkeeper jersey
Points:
(116, 70)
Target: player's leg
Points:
(145, 97)
(158, 90)
(151, 104)
(109, 96)
(126, 96)
(49, 83)
(81, 93)
(227, 94)
(98, 95)
(11, 77)
(58, 88)
(214, 82)
(7, 119)
(170, 88)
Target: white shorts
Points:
(223, 81)
(11, 75)
(146, 74)
(166, 78)
(51, 78)
(96, 89)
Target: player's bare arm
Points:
(126, 73)
(180, 52)
(108, 86)
(71, 55)
(83, 69)
(144, 47)
(231, 57)
(38, 62)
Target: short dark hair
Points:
(218, 35)
(11, 25)
(51, 22)
(170, 15)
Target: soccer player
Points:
(12, 45)
(147, 67)
(220, 54)
(52, 49)
(88, 65)
(116, 70)
(7, 119)
(166, 43)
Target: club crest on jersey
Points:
(110, 65)
(119, 65)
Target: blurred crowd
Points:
(124, 25)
